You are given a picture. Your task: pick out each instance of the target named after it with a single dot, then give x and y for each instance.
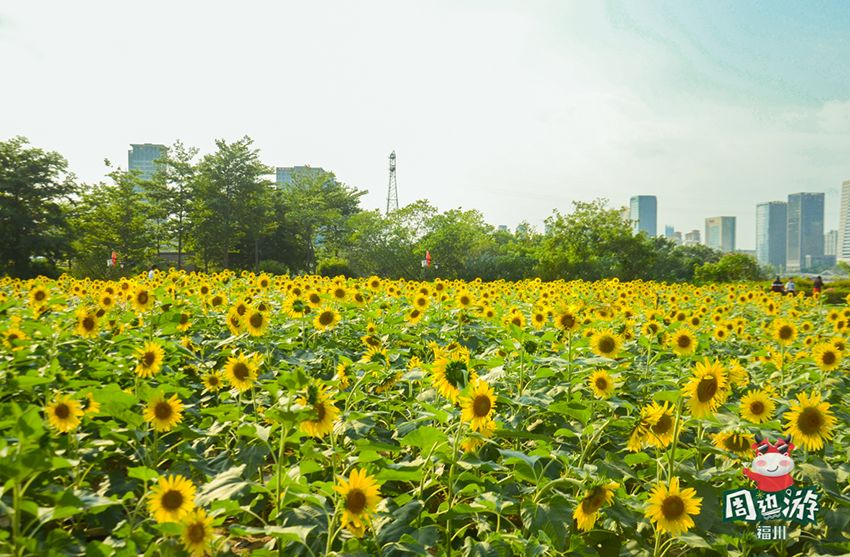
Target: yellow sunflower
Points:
(451, 373)
(601, 384)
(594, 499)
(151, 356)
(163, 414)
(142, 299)
(707, 389)
(809, 421)
(566, 320)
(241, 371)
(478, 407)
(213, 381)
(326, 319)
(235, 323)
(361, 498)
(63, 414)
(197, 533)
(13, 338)
(87, 323)
(757, 405)
(172, 499)
(826, 356)
(784, 332)
(327, 413)
(660, 424)
(606, 344)
(671, 508)
(735, 442)
(683, 342)
(256, 322)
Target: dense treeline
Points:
(222, 210)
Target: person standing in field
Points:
(790, 287)
(817, 285)
(777, 286)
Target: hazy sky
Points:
(514, 108)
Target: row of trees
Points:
(221, 210)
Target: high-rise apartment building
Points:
(843, 250)
(830, 243)
(285, 175)
(720, 233)
(643, 212)
(805, 230)
(143, 156)
(771, 233)
(692, 238)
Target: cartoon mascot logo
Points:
(771, 468)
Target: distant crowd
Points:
(791, 288)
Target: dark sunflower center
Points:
(107, 301)
(456, 373)
(786, 332)
(213, 380)
(142, 298)
(320, 411)
(39, 295)
(414, 314)
(601, 383)
(663, 425)
(683, 341)
(241, 371)
(314, 298)
(828, 358)
(217, 300)
(88, 323)
(810, 421)
(149, 358)
(736, 443)
(673, 507)
(706, 389)
(481, 406)
(184, 318)
(568, 321)
(163, 410)
(172, 500)
(355, 501)
(517, 320)
(592, 502)
(757, 408)
(464, 300)
(196, 533)
(421, 302)
(62, 411)
(326, 318)
(12, 336)
(339, 293)
(606, 345)
(234, 320)
(256, 320)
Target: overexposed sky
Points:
(513, 108)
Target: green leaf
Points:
(142, 473)
(424, 438)
(223, 486)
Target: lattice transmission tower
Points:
(392, 191)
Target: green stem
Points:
(450, 496)
(675, 442)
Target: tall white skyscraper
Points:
(843, 251)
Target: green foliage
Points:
(172, 193)
(34, 186)
(113, 217)
(732, 267)
(334, 267)
(233, 203)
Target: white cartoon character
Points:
(771, 468)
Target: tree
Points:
(317, 208)
(34, 184)
(456, 239)
(591, 243)
(172, 192)
(732, 267)
(233, 202)
(113, 217)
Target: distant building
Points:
(677, 238)
(805, 230)
(720, 233)
(692, 238)
(830, 243)
(142, 157)
(843, 250)
(669, 231)
(284, 175)
(771, 233)
(503, 228)
(643, 212)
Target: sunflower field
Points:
(242, 414)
